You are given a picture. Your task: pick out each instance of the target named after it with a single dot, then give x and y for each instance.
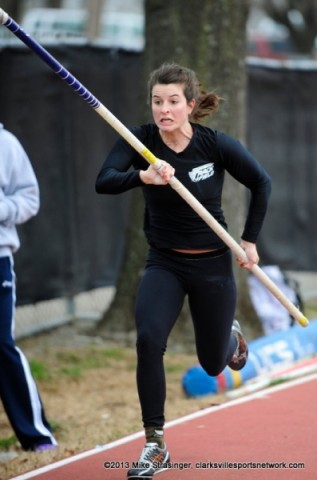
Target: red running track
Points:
(271, 434)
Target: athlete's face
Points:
(170, 108)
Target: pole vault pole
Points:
(125, 133)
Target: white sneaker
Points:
(153, 460)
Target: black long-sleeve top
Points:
(169, 222)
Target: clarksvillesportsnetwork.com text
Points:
(208, 465)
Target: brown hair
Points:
(206, 102)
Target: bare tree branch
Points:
(302, 35)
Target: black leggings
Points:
(208, 281)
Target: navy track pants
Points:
(18, 392)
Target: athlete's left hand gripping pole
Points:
(65, 75)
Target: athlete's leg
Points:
(212, 300)
(159, 301)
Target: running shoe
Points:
(153, 460)
(240, 356)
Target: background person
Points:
(19, 201)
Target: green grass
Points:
(6, 443)
(74, 371)
(74, 364)
(175, 368)
(39, 370)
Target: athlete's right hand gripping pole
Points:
(86, 95)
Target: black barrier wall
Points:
(77, 240)
(282, 120)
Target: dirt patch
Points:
(88, 388)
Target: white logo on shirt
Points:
(202, 172)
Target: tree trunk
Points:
(118, 321)
(94, 14)
(303, 35)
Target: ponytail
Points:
(206, 104)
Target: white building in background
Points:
(108, 23)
